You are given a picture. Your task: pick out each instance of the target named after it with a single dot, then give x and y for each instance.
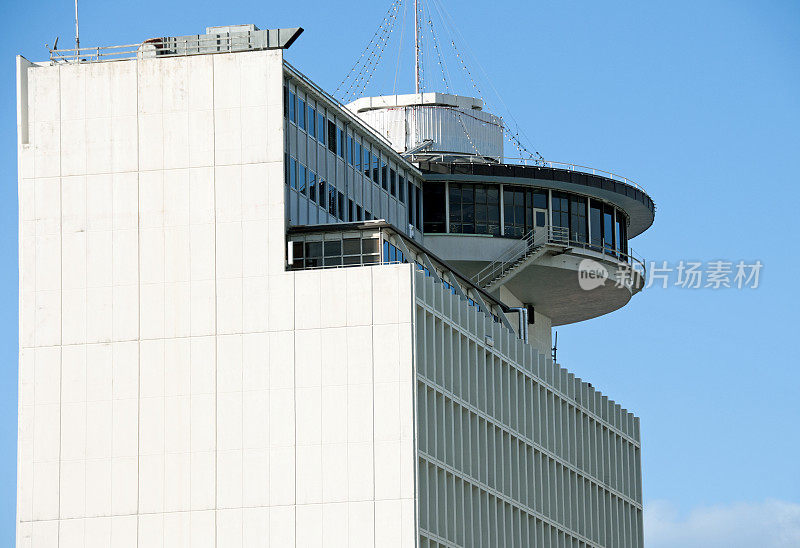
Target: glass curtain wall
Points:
(476, 209)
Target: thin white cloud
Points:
(768, 524)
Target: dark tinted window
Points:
(435, 207)
(332, 136)
(595, 224)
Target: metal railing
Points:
(567, 166)
(527, 245)
(553, 235)
(160, 47)
(577, 167)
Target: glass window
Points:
(493, 209)
(540, 199)
(332, 200)
(357, 155)
(350, 150)
(332, 136)
(595, 224)
(312, 116)
(455, 208)
(332, 247)
(322, 193)
(474, 209)
(321, 128)
(359, 213)
(293, 173)
(301, 178)
(313, 254)
(352, 210)
(410, 206)
(365, 156)
(401, 188)
(340, 142)
(292, 106)
(351, 246)
(384, 178)
(578, 227)
(517, 211)
(608, 227)
(434, 214)
(341, 209)
(375, 169)
(418, 207)
(393, 182)
(301, 113)
(312, 186)
(560, 210)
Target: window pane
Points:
(595, 224)
(301, 178)
(434, 214)
(321, 128)
(370, 245)
(351, 246)
(332, 136)
(349, 150)
(301, 113)
(313, 249)
(333, 247)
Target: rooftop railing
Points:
(199, 44)
(449, 158)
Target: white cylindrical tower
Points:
(439, 123)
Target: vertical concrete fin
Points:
(23, 130)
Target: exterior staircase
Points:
(532, 246)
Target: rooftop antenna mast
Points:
(77, 34)
(416, 45)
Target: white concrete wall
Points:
(177, 386)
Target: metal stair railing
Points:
(517, 253)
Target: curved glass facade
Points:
(512, 211)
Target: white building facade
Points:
(188, 379)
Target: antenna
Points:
(77, 34)
(555, 349)
(416, 45)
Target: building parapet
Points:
(216, 40)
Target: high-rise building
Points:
(253, 316)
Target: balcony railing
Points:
(557, 236)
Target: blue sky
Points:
(699, 102)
